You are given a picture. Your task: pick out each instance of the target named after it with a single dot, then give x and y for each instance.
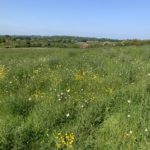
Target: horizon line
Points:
(61, 35)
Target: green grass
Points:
(80, 99)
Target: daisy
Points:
(67, 115)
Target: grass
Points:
(80, 99)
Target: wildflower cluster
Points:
(64, 140)
(129, 116)
(79, 76)
(61, 96)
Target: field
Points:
(71, 98)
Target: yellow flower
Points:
(64, 140)
(2, 72)
(80, 75)
(94, 77)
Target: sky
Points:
(119, 19)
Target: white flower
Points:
(30, 98)
(130, 132)
(129, 101)
(62, 93)
(10, 82)
(82, 106)
(129, 115)
(146, 130)
(68, 90)
(85, 101)
(149, 74)
(67, 115)
(59, 99)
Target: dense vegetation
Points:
(81, 99)
(64, 42)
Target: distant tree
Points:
(28, 44)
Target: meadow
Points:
(72, 98)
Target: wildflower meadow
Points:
(72, 98)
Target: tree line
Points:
(8, 41)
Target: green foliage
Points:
(71, 98)
(64, 42)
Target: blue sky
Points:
(95, 18)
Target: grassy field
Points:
(79, 99)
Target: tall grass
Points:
(81, 99)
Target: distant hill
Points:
(16, 41)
